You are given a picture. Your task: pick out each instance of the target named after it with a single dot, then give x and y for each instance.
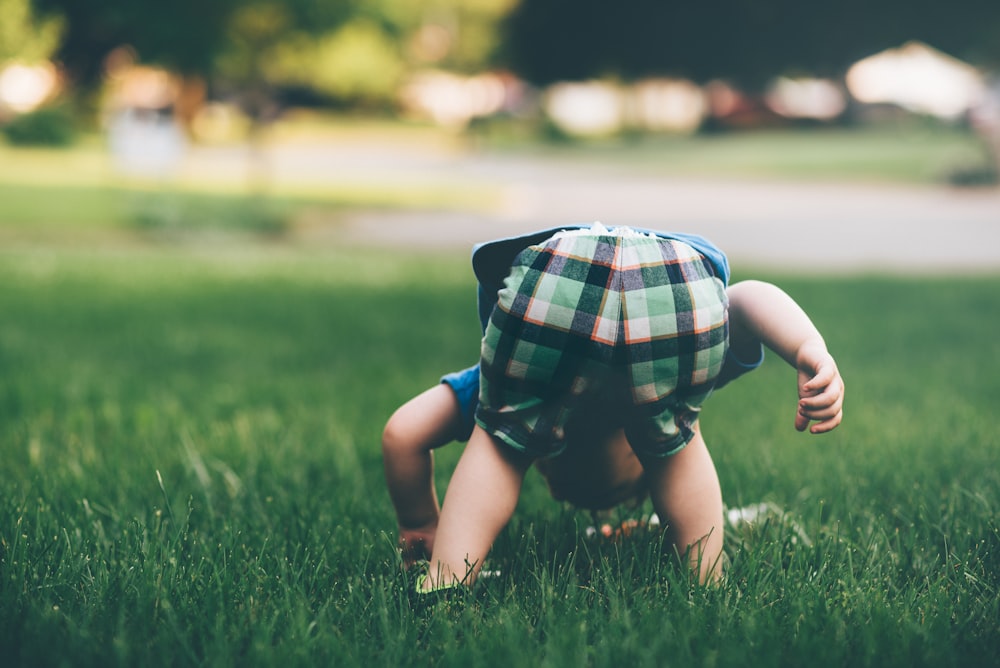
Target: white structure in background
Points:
(914, 76)
(24, 88)
(595, 108)
(666, 105)
(144, 136)
(590, 108)
(585, 108)
(819, 99)
(453, 100)
(918, 78)
(145, 142)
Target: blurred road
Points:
(761, 223)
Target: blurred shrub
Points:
(975, 176)
(359, 62)
(47, 126)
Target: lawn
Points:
(191, 404)
(191, 475)
(911, 152)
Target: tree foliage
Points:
(186, 35)
(746, 41)
(96, 27)
(358, 61)
(357, 47)
(26, 36)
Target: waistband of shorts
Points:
(597, 229)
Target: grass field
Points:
(191, 475)
(190, 470)
(904, 153)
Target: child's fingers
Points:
(801, 422)
(824, 388)
(825, 426)
(821, 394)
(824, 374)
(821, 425)
(823, 405)
(822, 412)
(827, 416)
(831, 395)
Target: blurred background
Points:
(327, 120)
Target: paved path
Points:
(801, 226)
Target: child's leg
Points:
(428, 421)
(687, 497)
(480, 500)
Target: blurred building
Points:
(141, 119)
(917, 78)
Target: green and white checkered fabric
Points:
(584, 310)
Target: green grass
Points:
(190, 470)
(190, 474)
(65, 196)
(907, 153)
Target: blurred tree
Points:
(341, 48)
(359, 61)
(745, 41)
(364, 55)
(360, 49)
(184, 34)
(224, 42)
(25, 36)
(458, 35)
(188, 36)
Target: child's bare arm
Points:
(760, 312)
(425, 422)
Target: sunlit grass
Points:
(58, 191)
(905, 154)
(190, 474)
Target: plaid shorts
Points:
(621, 322)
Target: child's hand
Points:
(821, 390)
(416, 544)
